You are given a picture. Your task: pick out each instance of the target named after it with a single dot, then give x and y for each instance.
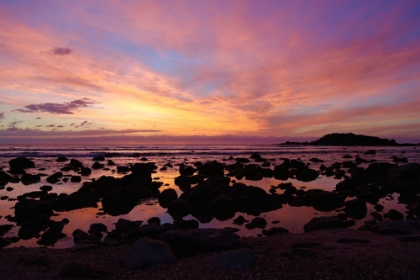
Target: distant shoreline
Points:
(350, 139)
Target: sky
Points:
(294, 69)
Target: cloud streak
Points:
(61, 51)
(58, 108)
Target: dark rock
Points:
(212, 168)
(85, 171)
(306, 175)
(28, 209)
(97, 165)
(75, 201)
(74, 163)
(319, 223)
(146, 252)
(28, 179)
(81, 237)
(25, 233)
(154, 220)
(179, 208)
(75, 179)
(98, 158)
(346, 185)
(185, 170)
(21, 163)
(240, 220)
(166, 197)
(122, 201)
(45, 188)
(274, 230)
(123, 169)
(54, 178)
(4, 178)
(379, 207)
(61, 159)
(241, 259)
(356, 209)
(110, 163)
(395, 215)
(259, 222)
(376, 216)
(5, 242)
(370, 152)
(314, 159)
(187, 224)
(49, 237)
(402, 159)
(4, 229)
(190, 242)
(80, 270)
(323, 200)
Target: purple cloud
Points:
(58, 108)
(2, 115)
(61, 51)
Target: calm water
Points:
(292, 218)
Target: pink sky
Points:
(298, 69)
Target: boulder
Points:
(319, 223)
(146, 252)
(356, 209)
(190, 242)
(179, 208)
(21, 163)
(241, 259)
(28, 209)
(85, 171)
(61, 159)
(97, 165)
(274, 230)
(54, 178)
(394, 215)
(28, 179)
(166, 197)
(123, 200)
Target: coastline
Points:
(324, 254)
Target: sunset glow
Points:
(182, 68)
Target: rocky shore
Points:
(385, 247)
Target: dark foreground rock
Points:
(320, 223)
(190, 242)
(147, 252)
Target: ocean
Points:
(291, 218)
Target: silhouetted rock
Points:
(356, 209)
(98, 158)
(85, 171)
(61, 159)
(394, 215)
(319, 223)
(74, 163)
(306, 175)
(75, 179)
(190, 242)
(21, 163)
(75, 201)
(97, 165)
(370, 152)
(28, 179)
(179, 208)
(28, 209)
(274, 230)
(167, 196)
(147, 252)
(54, 178)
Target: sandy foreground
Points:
(326, 254)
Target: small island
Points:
(350, 139)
